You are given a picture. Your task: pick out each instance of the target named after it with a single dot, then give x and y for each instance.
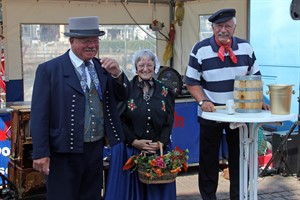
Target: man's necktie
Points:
(84, 78)
(93, 74)
(85, 81)
(87, 78)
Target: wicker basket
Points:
(168, 177)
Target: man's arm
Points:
(198, 94)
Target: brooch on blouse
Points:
(164, 91)
(146, 97)
(163, 106)
(131, 105)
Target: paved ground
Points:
(275, 187)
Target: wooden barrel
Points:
(248, 94)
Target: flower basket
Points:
(155, 169)
(168, 177)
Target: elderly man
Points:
(74, 105)
(213, 65)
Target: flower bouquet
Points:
(155, 169)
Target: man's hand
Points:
(42, 165)
(112, 66)
(207, 106)
(266, 106)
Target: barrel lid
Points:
(247, 77)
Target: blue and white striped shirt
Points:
(205, 68)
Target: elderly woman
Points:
(147, 119)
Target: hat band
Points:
(91, 31)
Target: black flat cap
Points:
(223, 15)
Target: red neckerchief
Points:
(226, 48)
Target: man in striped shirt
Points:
(213, 65)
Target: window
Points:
(42, 42)
(205, 27)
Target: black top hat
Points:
(84, 27)
(222, 15)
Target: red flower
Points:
(153, 163)
(160, 162)
(185, 166)
(159, 172)
(129, 163)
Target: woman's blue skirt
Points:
(126, 185)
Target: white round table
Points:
(248, 124)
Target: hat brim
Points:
(91, 34)
(222, 20)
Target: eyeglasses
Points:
(141, 66)
(220, 26)
(88, 41)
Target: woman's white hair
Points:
(137, 56)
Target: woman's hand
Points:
(146, 146)
(141, 144)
